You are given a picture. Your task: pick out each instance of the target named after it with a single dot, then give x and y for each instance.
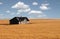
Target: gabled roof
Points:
(20, 18)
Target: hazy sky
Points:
(30, 8)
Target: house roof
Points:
(20, 18)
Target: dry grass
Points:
(38, 29)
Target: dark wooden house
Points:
(19, 20)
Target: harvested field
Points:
(37, 29)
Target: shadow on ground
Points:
(14, 24)
(5, 24)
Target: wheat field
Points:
(37, 29)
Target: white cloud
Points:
(35, 3)
(39, 15)
(44, 6)
(35, 12)
(18, 13)
(21, 10)
(8, 11)
(43, 15)
(1, 3)
(12, 13)
(21, 6)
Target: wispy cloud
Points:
(12, 13)
(7, 11)
(35, 12)
(35, 3)
(44, 6)
(1, 3)
(21, 7)
(43, 15)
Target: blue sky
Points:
(29, 8)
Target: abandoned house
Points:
(19, 20)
